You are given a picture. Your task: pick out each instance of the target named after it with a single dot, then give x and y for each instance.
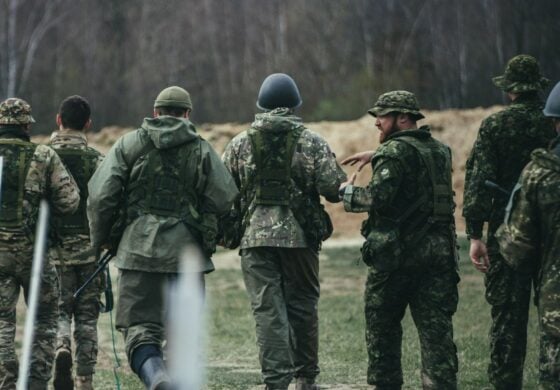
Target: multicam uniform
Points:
(531, 237)
(501, 150)
(31, 172)
(280, 166)
(74, 257)
(410, 248)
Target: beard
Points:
(383, 135)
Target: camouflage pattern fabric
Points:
(84, 312)
(284, 281)
(531, 238)
(424, 278)
(501, 150)
(522, 74)
(276, 226)
(396, 101)
(14, 111)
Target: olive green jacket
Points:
(153, 243)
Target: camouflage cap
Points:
(396, 101)
(14, 111)
(174, 97)
(522, 74)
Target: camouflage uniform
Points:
(501, 150)
(163, 217)
(75, 262)
(47, 177)
(280, 266)
(531, 237)
(410, 248)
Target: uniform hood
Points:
(169, 131)
(547, 159)
(279, 119)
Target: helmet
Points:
(278, 90)
(396, 101)
(552, 107)
(522, 75)
(14, 111)
(174, 97)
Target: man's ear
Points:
(87, 125)
(187, 113)
(58, 120)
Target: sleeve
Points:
(64, 193)
(328, 173)
(218, 189)
(482, 165)
(105, 192)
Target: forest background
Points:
(342, 53)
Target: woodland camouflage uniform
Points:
(279, 259)
(530, 238)
(410, 249)
(44, 176)
(503, 147)
(74, 258)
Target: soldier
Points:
(503, 147)
(530, 237)
(410, 245)
(171, 185)
(30, 172)
(282, 168)
(73, 256)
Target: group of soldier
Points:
(162, 189)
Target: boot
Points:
(306, 384)
(84, 382)
(63, 370)
(154, 375)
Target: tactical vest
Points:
(273, 152)
(439, 172)
(166, 184)
(81, 164)
(17, 155)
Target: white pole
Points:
(33, 299)
(1, 171)
(186, 324)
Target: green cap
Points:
(522, 75)
(174, 97)
(14, 111)
(396, 101)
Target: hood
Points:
(169, 131)
(547, 159)
(422, 133)
(279, 119)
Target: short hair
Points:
(74, 112)
(172, 111)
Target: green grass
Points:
(232, 358)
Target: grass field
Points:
(232, 354)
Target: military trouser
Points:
(432, 299)
(283, 286)
(549, 362)
(84, 311)
(142, 307)
(15, 273)
(508, 292)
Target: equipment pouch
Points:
(382, 249)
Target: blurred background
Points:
(342, 53)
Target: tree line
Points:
(342, 53)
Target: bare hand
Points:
(350, 181)
(479, 255)
(363, 158)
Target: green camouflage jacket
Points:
(78, 244)
(313, 159)
(503, 147)
(154, 243)
(399, 179)
(530, 235)
(47, 178)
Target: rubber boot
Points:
(84, 382)
(306, 384)
(154, 375)
(63, 370)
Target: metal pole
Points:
(1, 172)
(33, 299)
